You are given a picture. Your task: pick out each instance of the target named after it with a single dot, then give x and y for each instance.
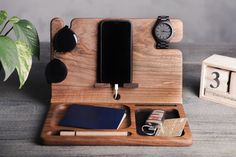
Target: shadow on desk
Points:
(191, 78)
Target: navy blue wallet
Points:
(92, 117)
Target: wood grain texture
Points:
(22, 113)
(158, 72)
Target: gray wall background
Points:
(205, 21)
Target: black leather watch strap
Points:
(163, 18)
(162, 45)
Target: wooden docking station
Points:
(158, 73)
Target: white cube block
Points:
(217, 79)
(232, 88)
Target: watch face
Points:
(163, 31)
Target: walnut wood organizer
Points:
(158, 73)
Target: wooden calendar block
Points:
(218, 80)
(232, 89)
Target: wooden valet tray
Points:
(158, 73)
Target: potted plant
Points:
(17, 53)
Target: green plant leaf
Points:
(3, 16)
(14, 19)
(24, 61)
(26, 32)
(8, 55)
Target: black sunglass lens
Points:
(65, 40)
(56, 71)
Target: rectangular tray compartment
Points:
(50, 133)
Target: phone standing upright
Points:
(115, 52)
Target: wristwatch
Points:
(162, 32)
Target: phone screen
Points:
(115, 52)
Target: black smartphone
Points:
(115, 52)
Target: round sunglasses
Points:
(64, 41)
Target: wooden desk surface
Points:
(22, 113)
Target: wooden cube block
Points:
(232, 88)
(217, 79)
